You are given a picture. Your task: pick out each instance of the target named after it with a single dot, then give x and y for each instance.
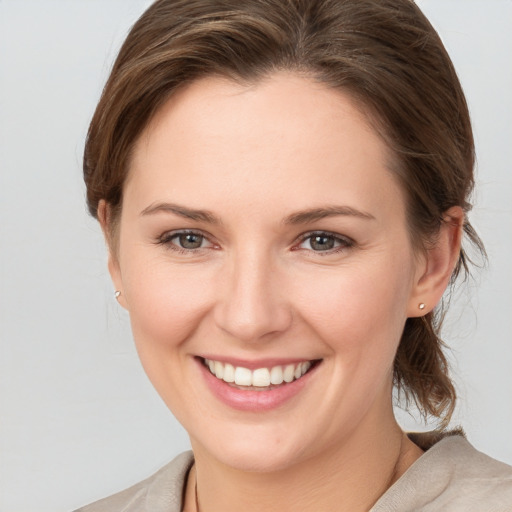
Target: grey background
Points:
(78, 418)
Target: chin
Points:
(253, 450)
(255, 460)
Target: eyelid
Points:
(346, 241)
(165, 239)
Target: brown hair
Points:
(384, 53)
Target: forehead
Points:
(284, 134)
(216, 104)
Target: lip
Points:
(253, 364)
(250, 400)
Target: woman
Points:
(283, 187)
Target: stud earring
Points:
(421, 305)
(117, 294)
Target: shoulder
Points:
(454, 477)
(160, 492)
(478, 475)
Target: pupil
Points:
(322, 243)
(191, 241)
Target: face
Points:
(263, 235)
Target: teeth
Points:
(229, 373)
(243, 376)
(289, 373)
(262, 377)
(276, 375)
(219, 370)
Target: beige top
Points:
(450, 477)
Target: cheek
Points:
(359, 310)
(166, 302)
(359, 318)
(166, 306)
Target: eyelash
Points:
(344, 242)
(166, 240)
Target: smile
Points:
(260, 378)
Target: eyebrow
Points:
(181, 211)
(314, 214)
(301, 217)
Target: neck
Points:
(347, 478)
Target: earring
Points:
(421, 305)
(117, 294)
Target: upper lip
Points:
(254, 364)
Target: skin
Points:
(253, 157)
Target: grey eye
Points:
(190, 240)
(322, 242)
(325, 242)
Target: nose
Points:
(252, 305)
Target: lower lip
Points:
(251, 400)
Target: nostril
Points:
(251, 323)
(251, 304)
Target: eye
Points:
(324, 242)
(189, 240)
(184, 241)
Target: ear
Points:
(105, 218)
(437, 264)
